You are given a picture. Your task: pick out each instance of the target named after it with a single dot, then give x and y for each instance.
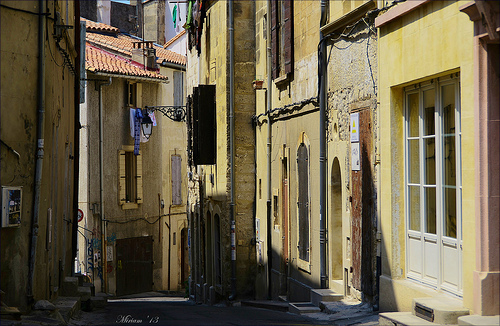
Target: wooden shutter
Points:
(138, 178)
(204, 125)
(122, 178)
(178, 87)
(176, 168)
(288, 36)
(274, 40)
(303, 201)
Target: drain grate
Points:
(424, 312)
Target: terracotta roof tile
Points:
(99, 27)
(123, 44)
(170, 56)
(97, 60)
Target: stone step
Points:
(67, 306)
(266, 304)
(302, 308)
(98, 302)
(84, 293)
(90, 286)
(69, 287)
(401, 319)
(10, 312)
(324, 295)
(440, 310)
(337, 286)
(477, 320)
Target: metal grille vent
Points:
(424, 312)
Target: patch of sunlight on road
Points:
(148, 297)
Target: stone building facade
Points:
(134, 234)
(288, 204)
(40, 94)
(219, 252)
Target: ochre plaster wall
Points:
(19, 59)
(429, 42)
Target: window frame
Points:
(123, 177)
(281, 40)
(437, 84)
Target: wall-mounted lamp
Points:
(147, 125)
(175, 113)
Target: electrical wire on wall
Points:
(285, 109)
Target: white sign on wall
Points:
(355, 157)
(109, 253)
(354, 127)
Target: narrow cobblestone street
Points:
(151, 309)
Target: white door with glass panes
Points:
(433, 192)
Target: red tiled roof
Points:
(97, 60)
(175, 38)
(170, 56)
(123, 44)
(99, 27)
(119, 43)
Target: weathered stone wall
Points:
(352, 86)
(19, 59)
(211, 67)
(168, 138)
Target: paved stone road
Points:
(179, 311)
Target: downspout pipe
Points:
(322, 150)
(40, 147)
(269, 138)
(231, 150)
(76, 155)
(104, 287)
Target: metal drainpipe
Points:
(169, 243)
(269, 138)
(104, 286)
(76, 154)
(231, 150)
(40, 146)
(322, 151)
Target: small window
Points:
(131, 95)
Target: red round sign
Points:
(80, 215)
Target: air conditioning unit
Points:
(11, 206)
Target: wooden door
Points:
(134, 273)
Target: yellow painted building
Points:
(427, 164)
(39, 144)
